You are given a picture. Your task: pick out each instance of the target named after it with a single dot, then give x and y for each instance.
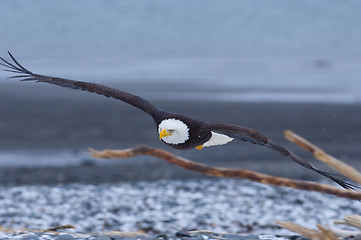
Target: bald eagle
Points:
(176, 130)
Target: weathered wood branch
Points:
(225, 172)
(310, 233)
(322, 233)
(319, 154)
(352, 220)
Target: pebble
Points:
(104, 238)
(66, 237)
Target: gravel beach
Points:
(167, 207)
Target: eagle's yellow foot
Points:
(199, 147)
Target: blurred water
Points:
(187, 28)
(276, 50)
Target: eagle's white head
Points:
(173, 131)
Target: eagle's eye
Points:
(170, 130)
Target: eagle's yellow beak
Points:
(164, 133)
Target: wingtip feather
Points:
(18, 64)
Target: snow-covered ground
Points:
(231, 206)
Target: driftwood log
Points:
(319, 154)
(328, 233)
(225, 172)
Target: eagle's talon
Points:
(199, 147)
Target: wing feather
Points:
(255, 137)
(27, 75)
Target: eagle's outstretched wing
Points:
(252, 136)
(27, 75)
